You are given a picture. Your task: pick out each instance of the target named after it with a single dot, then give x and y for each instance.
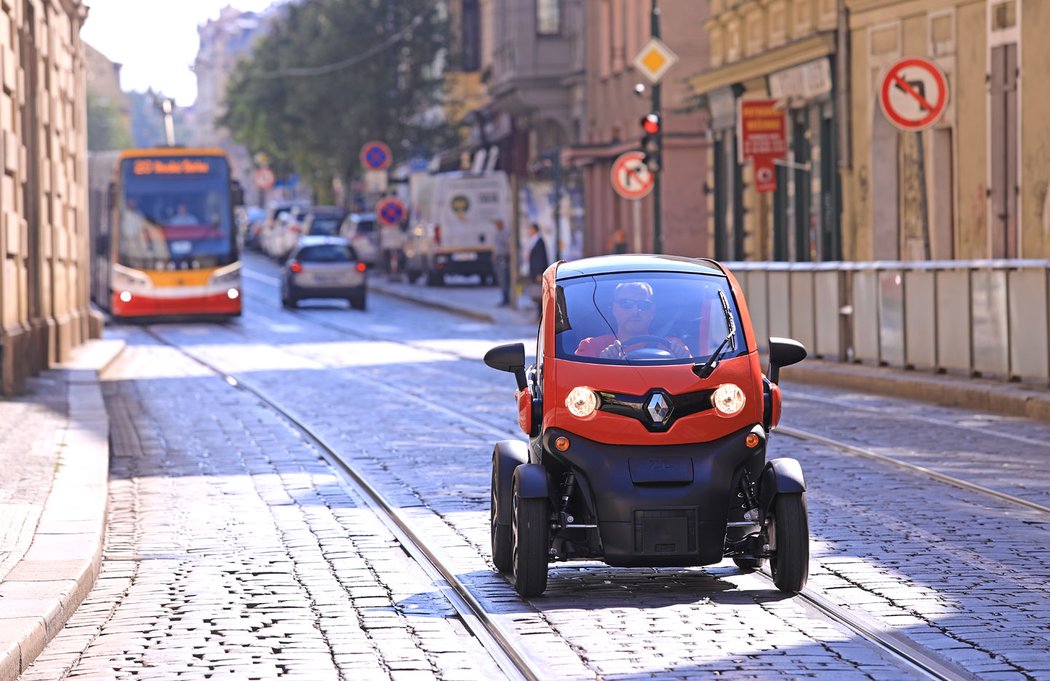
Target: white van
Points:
(452, 224)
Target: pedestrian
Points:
(501, 256)
(537, 264)
(618, 241)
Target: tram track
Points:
(800, 434)
(907, 653)
(497, 639)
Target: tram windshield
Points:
(175, 213)
(647, 318)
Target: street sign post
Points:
(654, 59)
(263, 178)
(631, 177)
(763, 139)
(376, 156)
(914, 94)
(390, 211)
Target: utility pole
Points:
(658, 243)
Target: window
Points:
(548, 17)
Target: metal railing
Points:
(986, 318)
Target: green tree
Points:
(335, 74)
(107, 129)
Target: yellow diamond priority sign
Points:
(655, 59)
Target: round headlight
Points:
(728, 399)
(581, 402)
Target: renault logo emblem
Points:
(658, 408)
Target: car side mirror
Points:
(509, 358)
(783, 352)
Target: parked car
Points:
(360, 230)
(647, 415)
(323, 267)
(286, 233)
(253, 220)
(270, 224)
(323, 220)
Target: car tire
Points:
(357, 300)
(435, 279)
(531, 542)
(749, 564)
(790, 561)
(502, 535)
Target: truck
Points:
(452, 224)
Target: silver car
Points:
(323, 267)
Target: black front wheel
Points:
(531, 529)
(502, 538)
(790, 561)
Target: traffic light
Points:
(651, 141)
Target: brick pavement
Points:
(54, 454)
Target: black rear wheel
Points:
(790, 561)
(531, 528)
(357, 300)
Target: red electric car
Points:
(647, 414)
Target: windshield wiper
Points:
(704, 370)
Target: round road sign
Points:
(376, 156)
(263, 178)
(630, 175)
(914, 94)
(390, 211)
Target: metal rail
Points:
(910, 654)
(913, 468)
(492, 635)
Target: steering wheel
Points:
(649, 342)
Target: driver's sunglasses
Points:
(628, 304)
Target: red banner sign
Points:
(763, 138)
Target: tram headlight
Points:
(728, 399)
(581, 402)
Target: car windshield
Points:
(326, 253)
(365, 227)
(325, 226)
(645, 318)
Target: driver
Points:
(633, 312)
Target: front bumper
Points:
(660, 506)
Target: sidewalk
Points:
(54, 451)
(479, 302)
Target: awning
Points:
(760, 65)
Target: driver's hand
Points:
(679, 349)
(613, 351)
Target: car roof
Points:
(360, 217)
(609, 264)
(326, 210)
(321, 240)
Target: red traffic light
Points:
(651, 123)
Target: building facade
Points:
(785, 50)
(616, 31)
(224, 42)
(974, 184)
(44, 308)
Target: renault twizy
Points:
(647, 414)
